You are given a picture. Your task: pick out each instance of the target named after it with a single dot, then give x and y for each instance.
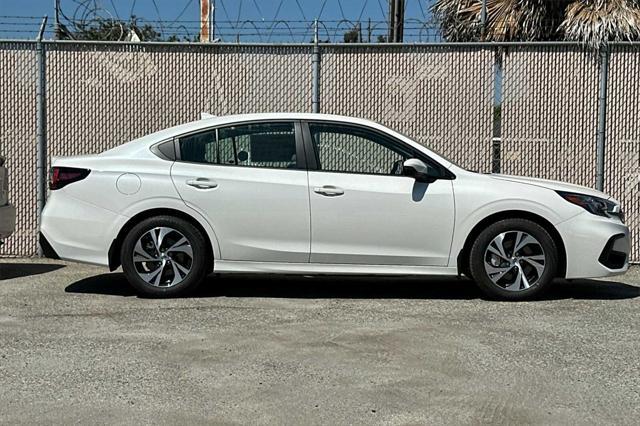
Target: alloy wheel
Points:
(514, 260)
(163, 257)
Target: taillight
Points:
(59, 177)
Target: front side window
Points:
(252, 145)
(350, 149)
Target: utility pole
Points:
(399, 21)
(212, 20)
(392, 25)
(57, 31)
(483, 19)
(396, 21)
(206, 25)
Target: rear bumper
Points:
(47, 250)
(596, 246)
(7, 221)
(73, 229)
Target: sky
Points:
(181, 16)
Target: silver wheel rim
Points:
(514, 261)
(163, 257)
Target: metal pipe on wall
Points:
(41, 128)
(315, 71)
(602, 117)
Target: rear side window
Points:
(253, 145)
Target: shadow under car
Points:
(354, 287)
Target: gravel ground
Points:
(77, 346)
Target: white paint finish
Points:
(226, 266)
(128, 183)
(584, 237)
(262, 218)
(552, 184)
(380, 220)
(79, 230)
(258, 214)
(479, 196)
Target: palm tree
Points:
(593, 22)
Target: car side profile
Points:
(320, 194)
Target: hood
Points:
(553, 185)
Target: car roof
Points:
(237, 118)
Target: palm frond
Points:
(507, 20)
(595, 22)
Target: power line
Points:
(182, 12)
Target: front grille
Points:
(611, 256)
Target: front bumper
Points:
(7, 221)
(595, 246)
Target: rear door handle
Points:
(328, 190)
(202, 183)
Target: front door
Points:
(364, 211)
(250, 184)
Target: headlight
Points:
(595, 205)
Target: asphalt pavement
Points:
(78, 346)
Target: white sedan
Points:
(320, 194)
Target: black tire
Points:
(479, 255)
(198, 265)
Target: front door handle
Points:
(202, 183)
(328, 190)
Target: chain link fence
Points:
(18, 78)
(542, 100)
(439, 95)
(622, 159)
(548, 114)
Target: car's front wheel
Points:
(164, 256)
(513, 259)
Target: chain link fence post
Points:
(602, 117)
(315, 63)
(496, 124)
(41, 128)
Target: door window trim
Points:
(313, 160)
(301, 158)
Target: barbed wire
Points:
(79, 16)
(298, 31)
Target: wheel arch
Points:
(463, 255)
(116, 245)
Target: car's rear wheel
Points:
(164, 256)
(513, 259)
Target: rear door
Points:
(250, 181)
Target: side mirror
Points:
(418, 170)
